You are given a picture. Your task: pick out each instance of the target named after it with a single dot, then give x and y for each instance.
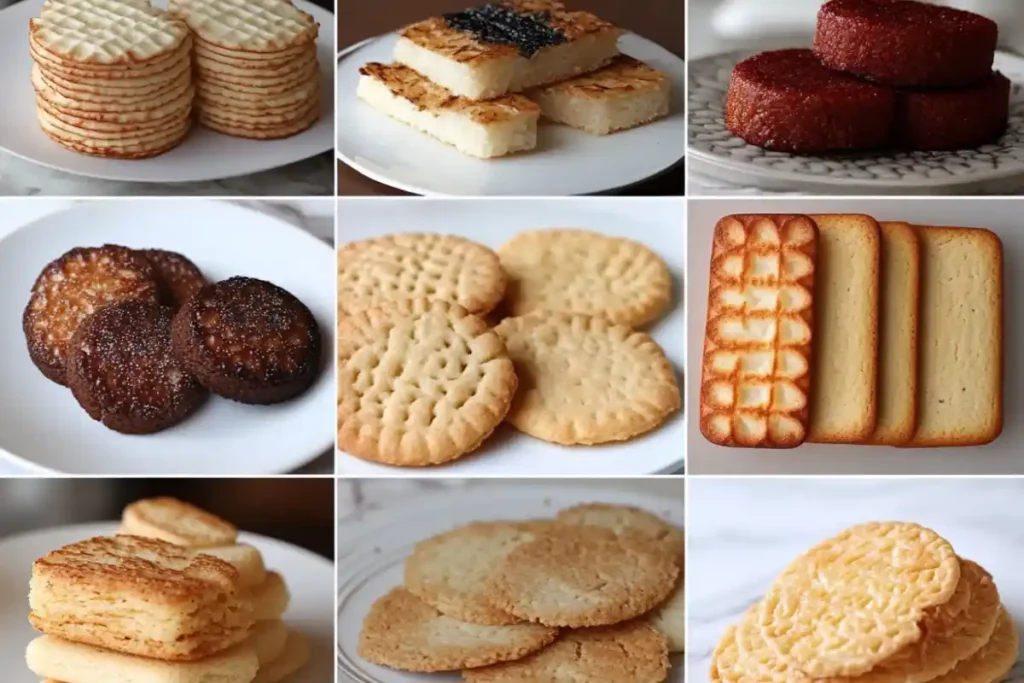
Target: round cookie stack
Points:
(257, 74)
(112, 77)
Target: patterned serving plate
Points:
(991, 169)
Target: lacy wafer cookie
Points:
(578, 271)
(756, 369)
(814, 616)
(585, 380)
(993, 661)
(420, 382)
(412, 266)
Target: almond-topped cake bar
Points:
(506, 47)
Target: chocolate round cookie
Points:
(176, 276)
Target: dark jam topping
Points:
(499, 25)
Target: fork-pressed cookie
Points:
(579, 271)
(623, 519)
(418, 265)
(585, 380)
(420, 382)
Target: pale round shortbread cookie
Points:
(585, 380)
(247, 25)
(993, 661)
(420, 382)
(627, 519)
(814, 616)
(450, 570)
(578, 271)
(403, 632)
(582, 576)
(625, 653)
(292, 658)
(669, 618)
(418, 265)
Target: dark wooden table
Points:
(662, 21)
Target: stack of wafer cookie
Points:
(257, 74)
(594, 594)
(879, 603)
(837, 329)
(570, 356)
(112, 77)
(280, 652)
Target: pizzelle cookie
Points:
(420, 383)
(814, 617)
(585, 380)
(412, 266)
(625, 653)
(450, 570)
(402, 632)
(627, 519)
(584, 576)
(578, 271)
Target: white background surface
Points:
(741, 533)
(1004, 456)
(565, 162)
(223, 437)
(205, 154)
(310, 580)
(656, 223)
(373, 545)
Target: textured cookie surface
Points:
(625, 519)
(583, 576)
(450, 570)
(402, 632)
(993, 661)
(577, 271)
(176, 276)
(178, 522)
(584, 380)
(420, 382)
(414, 266)
(247, 25)
(814, 617)
(625, 653)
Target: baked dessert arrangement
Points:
(480, 79)
(878, 602)
(123, 79)
(882, 74)
(173, 598)
(838, 329)
(141, 338)
(440, 340)
(595, 593)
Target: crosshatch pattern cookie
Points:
(578, 271)
(420, 382)
(757, 346)
(814, 617)
(413, 266)
(585, 380)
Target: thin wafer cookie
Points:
(993, 661)
(247, 25)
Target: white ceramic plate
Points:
(716, 152)
(310, 580)
(205, 155)
(374, 547)
(566, 161)
(654, 222)
(1003, 456)
(43, 427)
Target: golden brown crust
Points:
(178, 522)
(623, 76)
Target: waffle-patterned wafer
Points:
(247, 25)
(757, 348)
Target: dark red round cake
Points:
(954, 119)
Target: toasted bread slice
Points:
(139, 596)
(844, 402)
(246, 560)
(960, 386)
(757, 343)
(897, 349)
(57, 659)
(174, 521)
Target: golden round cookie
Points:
(578, 271)
(854, 600)
(418, 265)
(403, 632)
(450, 570)
(626, 653)
(993, 661)
(420, 382)
(583, 576)
(292, 658)
(585, 380)
(670, 620)
(258, 132)
(627, 519)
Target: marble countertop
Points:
(742, 532)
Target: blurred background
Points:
(299, 511)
